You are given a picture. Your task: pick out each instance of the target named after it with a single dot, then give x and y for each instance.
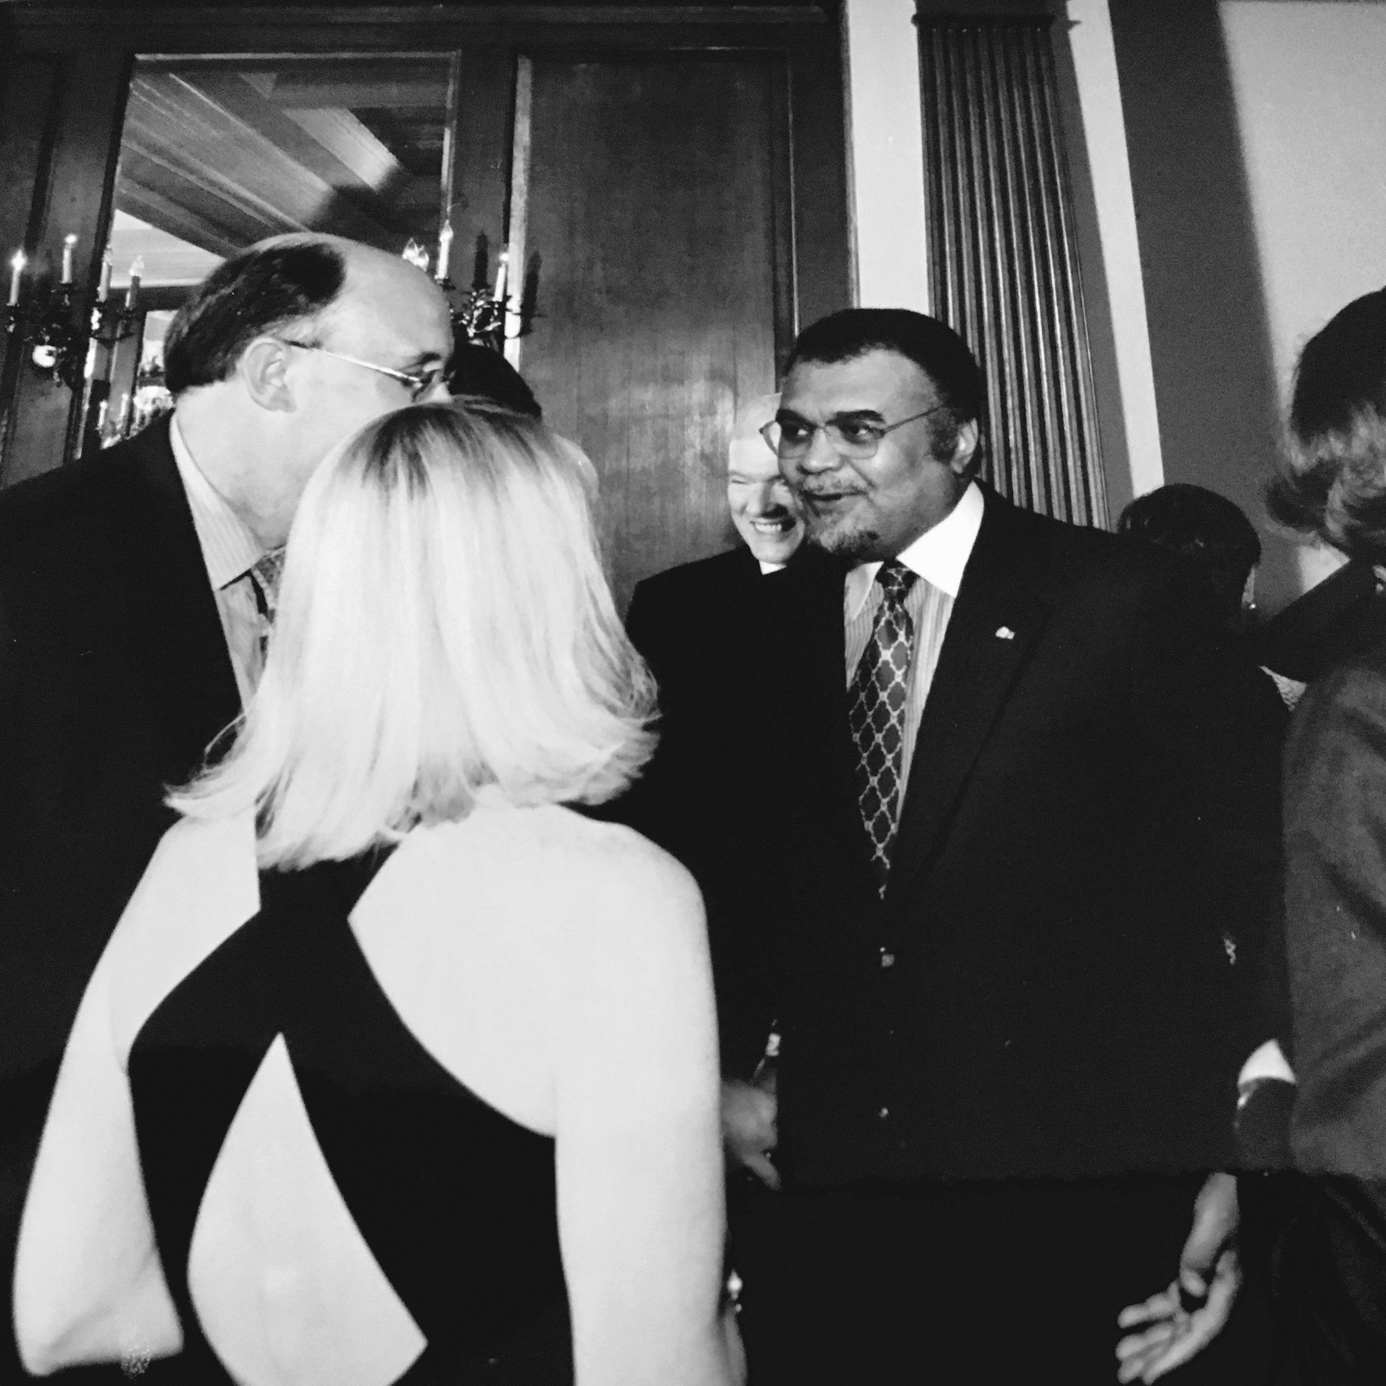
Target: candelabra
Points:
(482, 314)
(47, 329)
(50, 325)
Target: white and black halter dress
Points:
(455, 1201)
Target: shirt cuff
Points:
(1268, 1061)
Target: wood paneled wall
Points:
(681, 204)
(657, 216)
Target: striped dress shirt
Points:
(229, 550)
(939, 556)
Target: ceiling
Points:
(217, 155)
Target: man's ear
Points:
(965, 448)
(262, 370)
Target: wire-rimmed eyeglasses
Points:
(420, 386)
(847, 434)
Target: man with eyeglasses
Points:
(1018, 851)
(136, 589)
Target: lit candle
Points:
(444, 250)
(17, 265)
(69, 241)
(133, 292)
(502, 266)
(103, 289)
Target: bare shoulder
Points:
(555, 856)
(200, 886)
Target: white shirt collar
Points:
(766, 567)
(939, 555)
(229, 549)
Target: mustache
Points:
(810, 493)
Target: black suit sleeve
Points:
(692, 797)
(1335, 915)
(1209, 763)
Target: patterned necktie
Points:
(876, 715)
(264, 579)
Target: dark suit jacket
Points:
(1086, 860)
(114, 677)
(684, 622)
(1334, 620)
(1335, 906)
(699, 627)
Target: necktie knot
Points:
(895, 580)
(264, 576)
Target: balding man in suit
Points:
(135, 590)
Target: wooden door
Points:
(655, 223)
(671, 178)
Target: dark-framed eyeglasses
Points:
(420, 386)
(847, 435)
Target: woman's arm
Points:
(640, 1193)
(88, 1284)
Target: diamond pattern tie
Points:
(876, 715)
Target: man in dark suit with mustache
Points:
(1023, 845)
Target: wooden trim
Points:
(38, 18)
(72, 193)
(821, 198)
(31, 91)
(517, 210)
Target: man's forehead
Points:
(751, 460)
(399, 311)
(863, 383)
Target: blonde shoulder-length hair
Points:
(443, 625)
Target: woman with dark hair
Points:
(395, 1066)
(1333, 486)
(1209, 531)
(478, 372)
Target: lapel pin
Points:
(1005, 633)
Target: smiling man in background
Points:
(699, 627)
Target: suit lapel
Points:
(999, 613)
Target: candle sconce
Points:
(483, 315)
(480, 315)
(57, 345)
(50, 327)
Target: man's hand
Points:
(1183, 1319)
(748, 1124)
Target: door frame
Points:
(62, 98)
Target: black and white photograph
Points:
(693, 694)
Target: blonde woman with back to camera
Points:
(395, 1066)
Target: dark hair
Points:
(933, 346)
(1333, 481)
(479, 372)
(1204, 527)
(260, 290)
